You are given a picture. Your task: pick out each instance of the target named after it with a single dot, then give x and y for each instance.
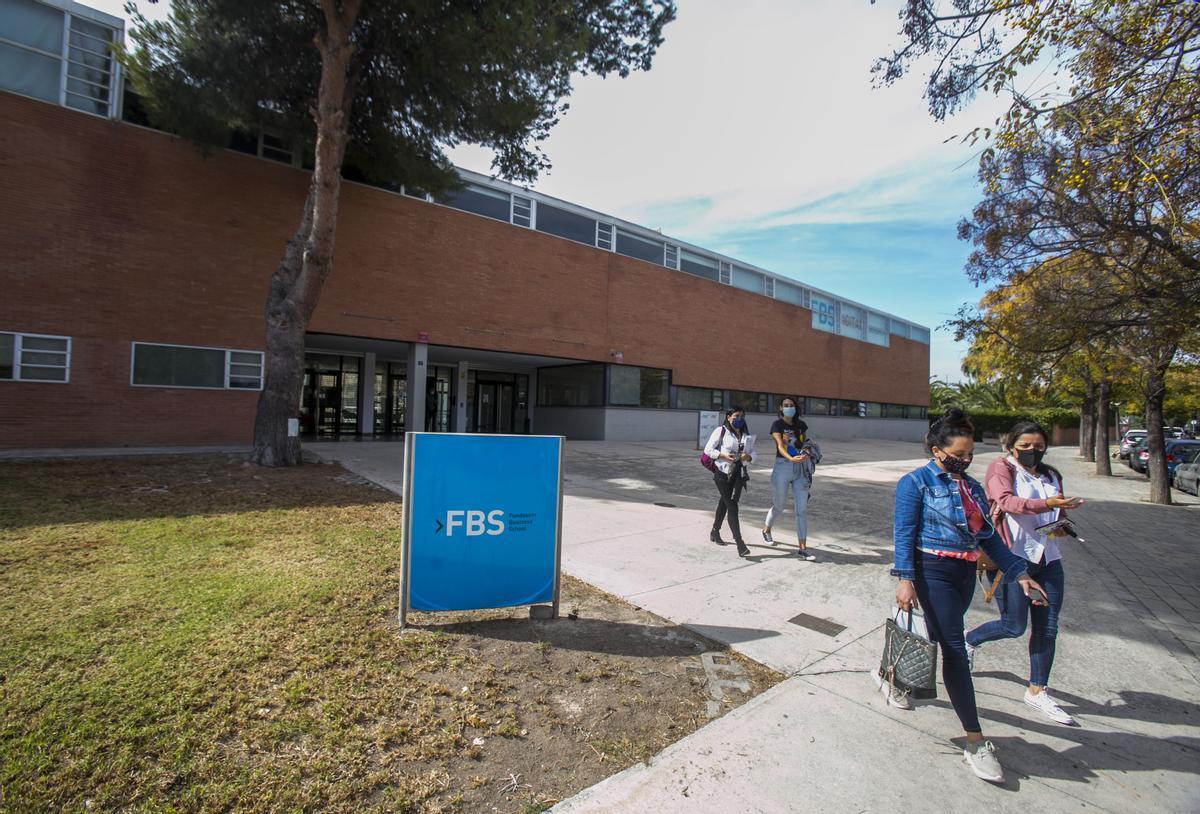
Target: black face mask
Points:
(1029, 458)
(955, 466)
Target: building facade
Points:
(135, 272)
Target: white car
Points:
(1128, 441)
(1187, 472)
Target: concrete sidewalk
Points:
(636, 520)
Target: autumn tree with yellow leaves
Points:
(1019, 335)
(1095, 162)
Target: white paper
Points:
(918, 622)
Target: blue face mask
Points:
(789, 412)
(738, 423)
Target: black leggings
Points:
(730, 487)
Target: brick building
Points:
(135, 272)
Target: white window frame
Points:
(725, 272)
(514, 212)
(293, 155)
(18, 351)
(606, 233)
(113, 71)
(427, 198)
(227, 351)
(64, 58)
(768, 286)
(671, 256)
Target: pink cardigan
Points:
(998, 484)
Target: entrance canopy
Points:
(358, 386)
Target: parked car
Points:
(1129, 441)
(1175, 452)
(1139, 458)
(1172, 432)
(1187, 471)
(1138, 455)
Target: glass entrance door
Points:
(398, 399)
(494, 406)
(319, 404)
(329, 399)
(438, 397)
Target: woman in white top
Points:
(1028, 494)
(732, 447)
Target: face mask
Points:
(1029, 458)
(738, 423)
(789, 412)
(955, 466)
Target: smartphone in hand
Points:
(1037, 596)
(1055, 528)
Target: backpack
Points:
(711, 463)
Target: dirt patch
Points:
(192, 633)
(578, 698)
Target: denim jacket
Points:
(929, 516)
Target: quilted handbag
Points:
(909, 660)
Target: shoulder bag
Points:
(711, 463)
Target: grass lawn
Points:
(191, 633)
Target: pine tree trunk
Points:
(308, 257)
(284, 376)
(1087, 426)
(1156, 466)
(1103, 462)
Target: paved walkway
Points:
(636, 520)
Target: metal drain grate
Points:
(818, 624)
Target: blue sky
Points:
(758, 133)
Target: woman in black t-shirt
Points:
(791, 473)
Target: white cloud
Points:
(760, 107)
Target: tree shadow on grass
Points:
(93, 490)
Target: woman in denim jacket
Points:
(940, 523)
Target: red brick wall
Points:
(111, 233)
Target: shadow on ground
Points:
(1146, 707)
(87, 490)
(594, 635)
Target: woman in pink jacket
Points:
(1026, 494)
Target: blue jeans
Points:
(944, 589)
(1015, 611)
(784, 477)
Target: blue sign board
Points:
(482, 521)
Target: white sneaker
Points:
(971, 657)
(1046, 705)
(895, 696)
(981, 757)
(804, 555)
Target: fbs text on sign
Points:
(474, 522)
(482, 521)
